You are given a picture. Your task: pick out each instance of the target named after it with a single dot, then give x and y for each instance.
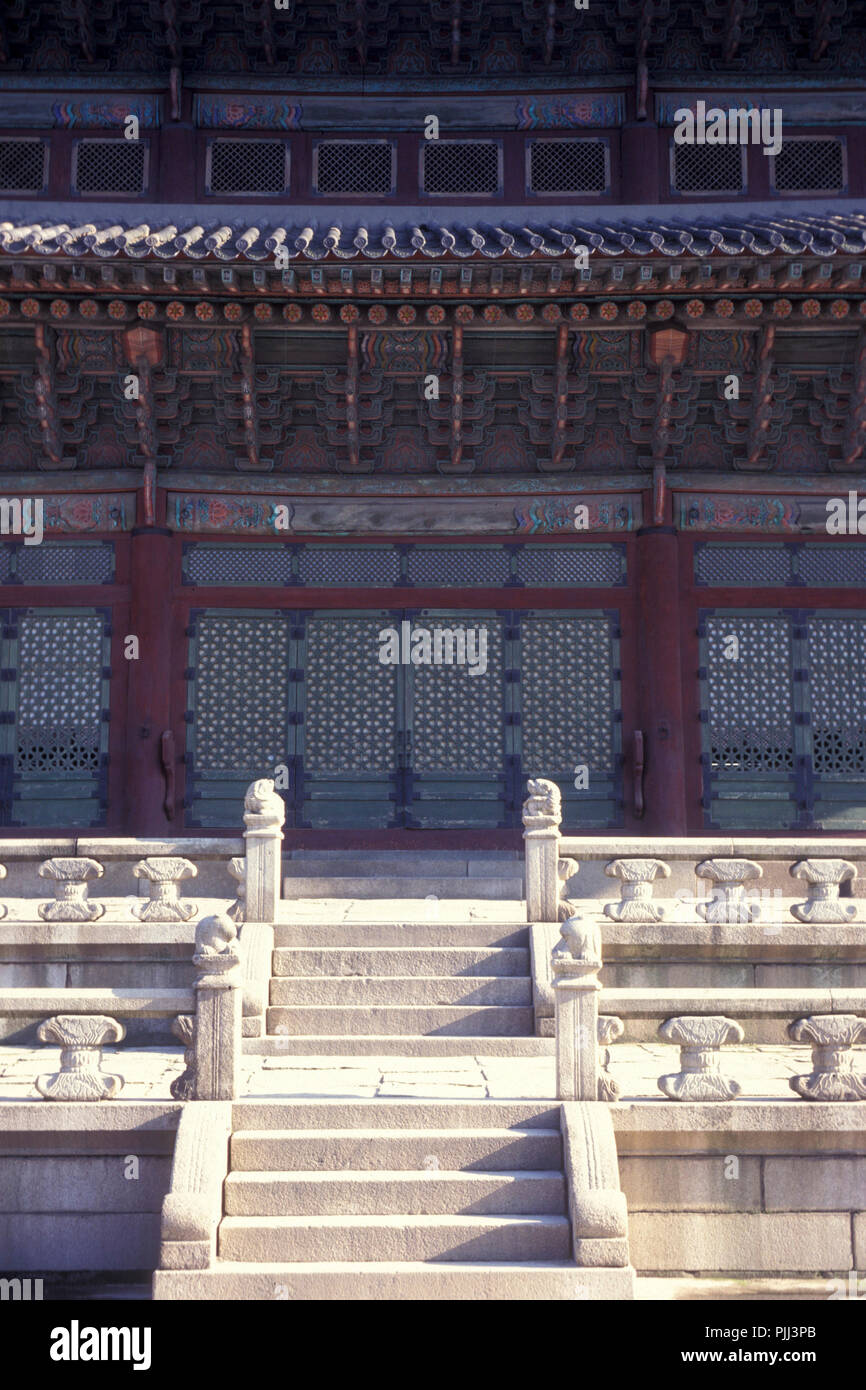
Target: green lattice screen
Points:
(784, 719)
(55, 698)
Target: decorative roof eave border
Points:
(518, 236)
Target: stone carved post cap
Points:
(609, 1028)
(731, 871)
(81, 1030)
(542, 809)
(217, 951)
(701, 1030)
(823, 870)
(264, 808)
(637, 870)
(579, 946)
(829, 1030)
(165, 869)
(70, 870)
(2, 870)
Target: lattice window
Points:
(460, 166)
(23, 165)
(60, 674)
(354, 166)
(708, 168)
(832, 565)
(248, 166)
(567, 693)
(241, 694)
(809, 165)
(573, 565)
(750, 706)
(65, 564)
(568, 166)
(330, 565)
(439, 566)
(744, 565)
(238, 564)
(351, 698)
(457, 721)
(110, 166)
(5, 564)
(837, 664)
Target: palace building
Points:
(326, 319)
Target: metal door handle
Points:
(637, 771)
(166, 757)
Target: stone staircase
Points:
(453, 976)
(422, 1199)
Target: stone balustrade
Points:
(733, 867)
(164, 877)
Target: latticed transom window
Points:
(354, 166)
(568, 166)
(460, 166)
(248, 166)
(809, 166)
(110, 166)
(708, 168)
(22, 166)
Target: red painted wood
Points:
(660, 700)
(148, 712)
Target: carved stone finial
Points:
(69, 879)
(542, 809)
(729, 903)
(164, 876)
(700, 1076)
(637, 875)
(565, 870)
(264, 808)
(580, 940)
(3, 908)
(238, 870)
(609, 1029)
(823, 878)
(832, 1076)
(81, 1038)
(183, 1086)
(217, 948)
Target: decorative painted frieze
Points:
(833, 1075)
(700, 1078)
(570, 113)
(69, 880)
(637, 876)
(108, 113)
(823, 878)
(729, 903)
(245, 113)
(164, 877)
(81, 1038)
(698, 511)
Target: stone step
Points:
(386, 1281)
(391, 885)
(399, 990)
(411, 1150)
(387, 1194)
(393, 1045)
(423, 962)
(371, 1238)
(402, 864)
(404, 935)
(389, 1113)
(346, 1021)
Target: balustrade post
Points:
(542, 816)
(576, 961)
(218, 990)
(264, 815)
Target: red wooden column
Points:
(149, 704)
(660, 691)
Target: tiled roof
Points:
(817, 235)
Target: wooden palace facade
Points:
(320, 321)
